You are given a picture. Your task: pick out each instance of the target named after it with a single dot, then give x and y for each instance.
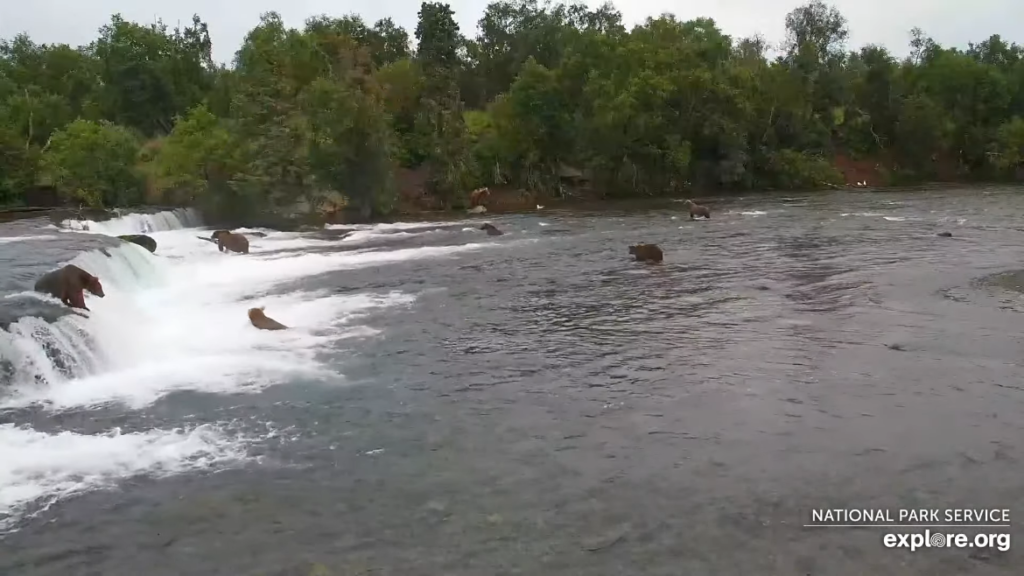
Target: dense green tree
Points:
(198, 160)
(94, 163)
(539, 95)
(350, 151)
(148, 75)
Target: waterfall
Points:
(139, 223)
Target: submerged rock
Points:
(146, 242)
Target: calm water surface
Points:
(543, 405)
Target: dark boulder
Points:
(146, 242)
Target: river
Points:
(447, 402)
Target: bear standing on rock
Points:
(649, 253)
(67, 284)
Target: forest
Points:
(546, 100)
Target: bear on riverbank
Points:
(649, 253)
(261, 321)
(67, 284)
(477, 197)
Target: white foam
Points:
(136, 223)
(178, 321)
(9, 239)
(360, 236)
(280, 242)
(754, 213)
(393, 226)
(40, 468)
(170, 322)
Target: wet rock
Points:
(945, 234)
(141, 239)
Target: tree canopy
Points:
(541, 97)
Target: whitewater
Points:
(175, 322)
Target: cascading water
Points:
(173, 321)
(33, 351)
(39, 358)
(139, 223)
(42, 353)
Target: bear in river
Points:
(231, 241)
(698, 210)
(67, 284)
(649, 253)
(261, 321)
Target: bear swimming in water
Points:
(67, 284)
(261, 321)
(649, 253)
(491, 230)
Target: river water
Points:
(447, 402)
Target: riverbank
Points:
(414, 205)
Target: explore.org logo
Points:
(903, 522)
(929, 539)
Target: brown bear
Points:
(698, 210)
(67, 284)
(261, 321)
(476, 197)
(649, 253)
(491, 230)
(231, 241)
